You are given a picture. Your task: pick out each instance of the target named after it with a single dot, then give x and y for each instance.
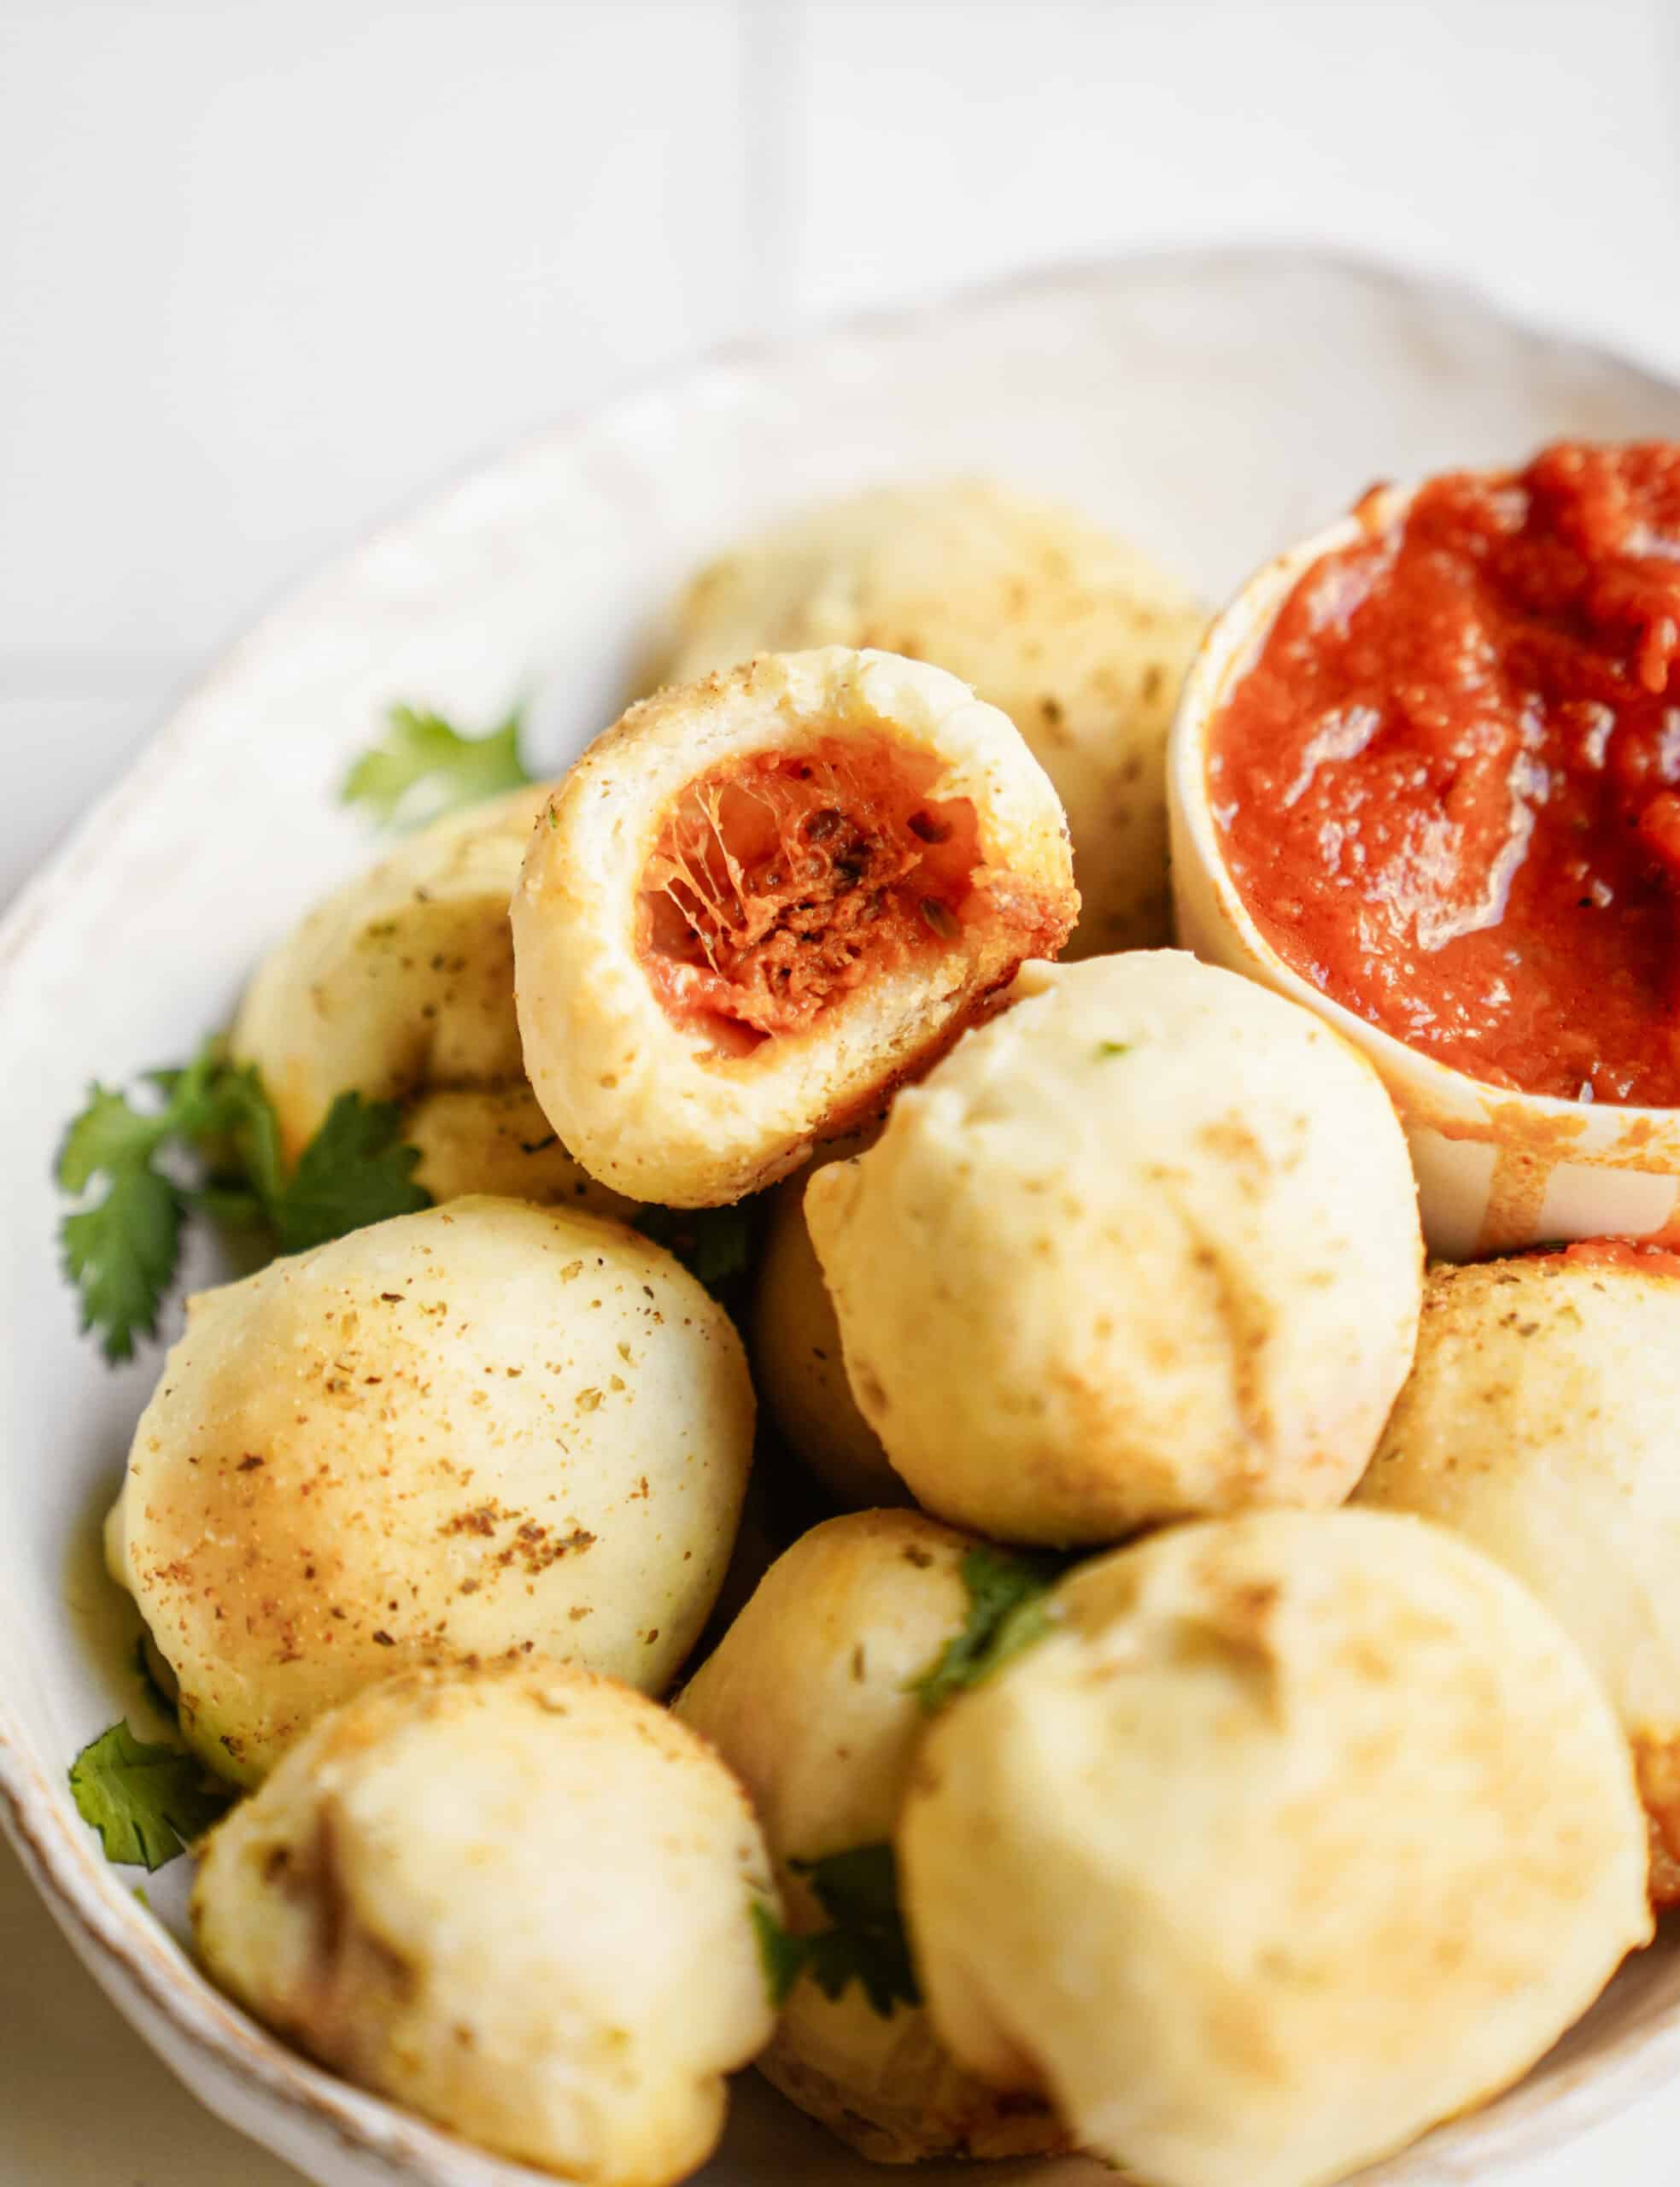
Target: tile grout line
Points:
(773, 88)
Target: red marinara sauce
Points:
(1449, 789)
(1630, 1253)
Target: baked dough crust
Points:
(1143, 1248)
(649, 1105)
(799, 1368)
(485, 1429)
(807, 1697)
(1078, 636)
(466, 1891)
(399, 987)
(1301, 1832)
(1542, 1422)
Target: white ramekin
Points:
(1496, 1170)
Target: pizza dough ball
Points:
(1303, 1832)
(1079, 639)
(759, 902)
(1146, 1246)
(495, 1139)
(483, 1430)
(808, 1700)
(466, 1891)
(1542, 1421)
(796, 1367)
(400, 987)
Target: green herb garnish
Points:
(779, 1954)
(1008, 1613)
(865, 1941)
(147, 1800)
(714, 1243)
(357, 1169)
(215, 1129)
(1107, 1048)
(423, 767)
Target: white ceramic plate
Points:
(1215, 405)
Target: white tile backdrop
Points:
(268, 270)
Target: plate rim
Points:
(127, 1949)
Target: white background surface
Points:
(267, 272)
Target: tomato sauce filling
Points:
(783, 880)
(1449, 787)
(1616, 1252)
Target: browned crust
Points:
(985, 2124)
(988, 999)
(1656, 1763)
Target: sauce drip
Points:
(1449, 789)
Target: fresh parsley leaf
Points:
(355, 1170)
(858, 1890)
(714, 1243)
(230, 1122)
(1008, 1613)
(121, 1248)
(120, 1253)
(864, 1943)
(228, 1205)
(423, 767)
(108, 1135)
(146, 1800)
(780, 1954)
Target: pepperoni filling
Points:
(783, 880)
